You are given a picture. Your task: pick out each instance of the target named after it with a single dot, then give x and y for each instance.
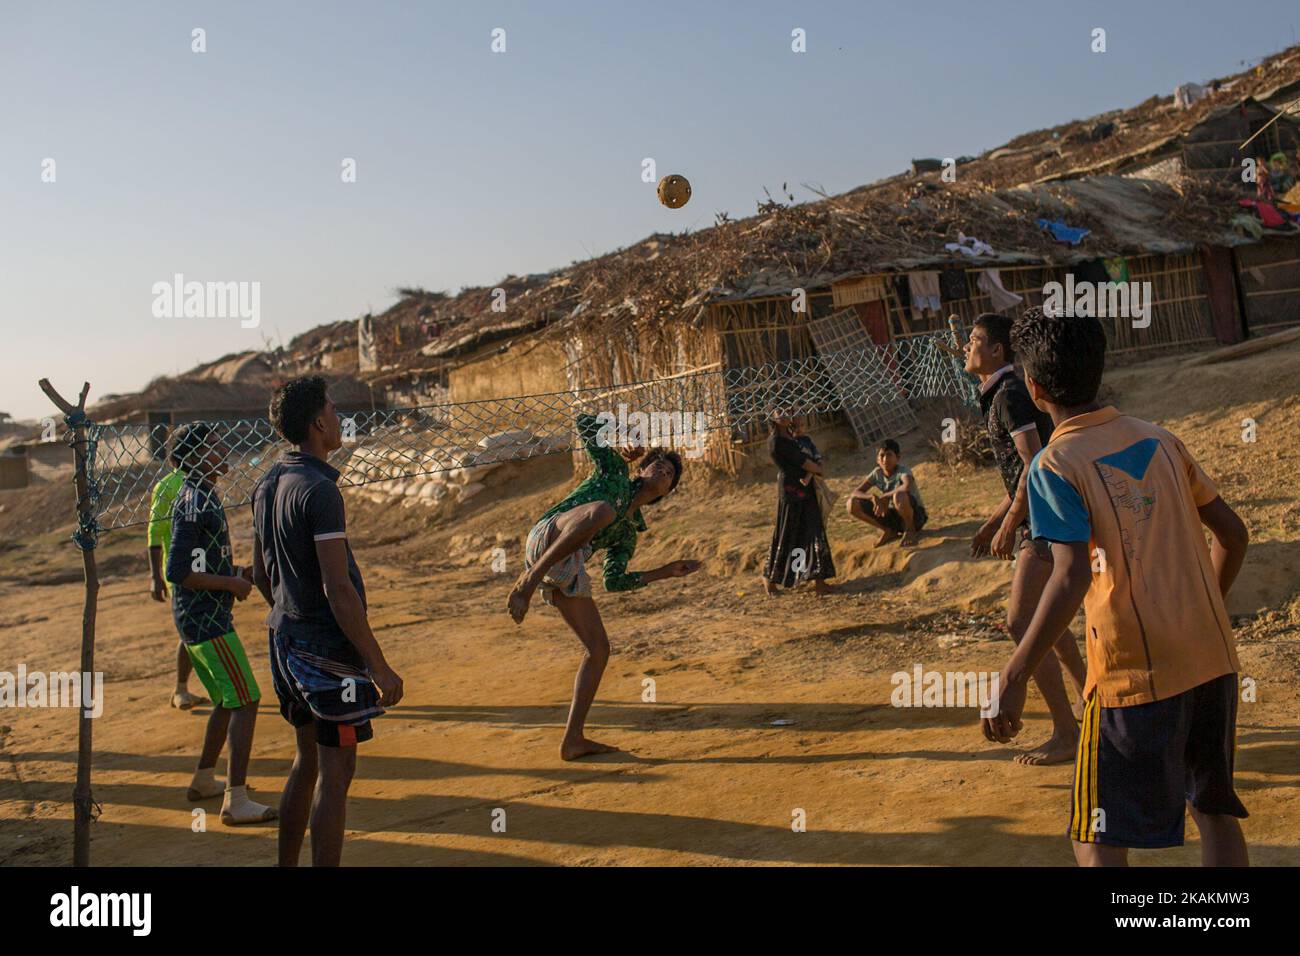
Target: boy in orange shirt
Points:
(1122, 503)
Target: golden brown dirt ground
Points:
(707, 777)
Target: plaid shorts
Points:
(326, 685)
(569, 576)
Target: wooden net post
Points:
(83, 803)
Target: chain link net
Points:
(125, 462)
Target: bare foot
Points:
(885, 538)
(769, 588)
(821, 587)
(1056, 750)
(909, 540)
(584, 748)
(518, 604)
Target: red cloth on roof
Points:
(1268, 214)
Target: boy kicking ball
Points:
(1122, 505)
(602, 513)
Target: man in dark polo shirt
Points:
(1017, 430)
(328, 670)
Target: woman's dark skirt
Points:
(799, 527)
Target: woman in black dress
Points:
(800, 551)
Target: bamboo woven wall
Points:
(1269, 275)
(1180, 312)
(614, 357)
(757, 332)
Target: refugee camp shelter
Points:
(1137, 196)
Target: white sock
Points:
(240, 808)
(206, 783)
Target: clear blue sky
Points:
(471, 165)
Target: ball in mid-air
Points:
(674, 191)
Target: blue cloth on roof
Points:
(1063, 233)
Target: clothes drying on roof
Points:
(952, 284)
(969, 246)
(1247, 224)
(991, 282)
(924, 287)
(1187, 94)
(1268, 213)
(1062, 232)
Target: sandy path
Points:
(706, 778)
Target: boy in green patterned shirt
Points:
(602, 514)
(161, 501)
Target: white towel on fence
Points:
(991, 282)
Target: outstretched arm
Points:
(619, 578)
